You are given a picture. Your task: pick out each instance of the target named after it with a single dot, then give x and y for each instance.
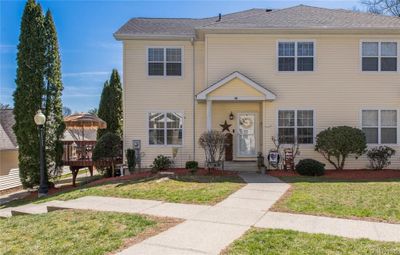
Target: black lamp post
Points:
(40, 119)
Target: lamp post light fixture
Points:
(40, 119)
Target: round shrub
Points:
(192, 165)
(336, 144)
(310, 167)
(161, 162)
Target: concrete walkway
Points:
(210, 229)
(331, 226)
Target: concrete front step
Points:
(33, 208)
(242, 166)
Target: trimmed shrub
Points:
(192, 166)
(161, 162)
(131, 158)
(310, 167)
(379, 157)
(336, 144)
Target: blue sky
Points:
(88, 50)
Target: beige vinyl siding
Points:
(8, 161)
(143, 94)
(337, 90)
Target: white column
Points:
(209, 115)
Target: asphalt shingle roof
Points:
(301, 16)
(8, 140)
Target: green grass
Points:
(349, 199)
(277, 242)
(181, 189)
(70, 232)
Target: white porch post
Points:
(209, 114)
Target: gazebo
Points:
(79, 141)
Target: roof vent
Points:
(268, 10)
(219, 17)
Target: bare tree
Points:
(66, 111)
(4, 106)
(387, 7)
(213, 143)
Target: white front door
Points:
(246, 142)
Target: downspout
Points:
(194, 98)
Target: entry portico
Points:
(242, 97)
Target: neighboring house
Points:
(289, 73)
(9, 173)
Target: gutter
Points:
(192, 40)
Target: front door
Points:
(246, 145)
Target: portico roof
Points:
(263, 93)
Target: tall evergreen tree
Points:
(110, 107)
(53, 109)
(30, 88)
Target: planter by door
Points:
(228, 147)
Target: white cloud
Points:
(8, 48)
(85, 74)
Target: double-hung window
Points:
(295, 56)
(165, 128)
(380, 126)
(296, 125)
(164, 61)
(379, 56)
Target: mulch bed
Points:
(347, 174)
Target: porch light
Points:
(231, 116)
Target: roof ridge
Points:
(347, 11)
(250, 15)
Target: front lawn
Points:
(179, 189)
(277, 242)
(71, 232)
(369, 200)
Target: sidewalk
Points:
(210, 229)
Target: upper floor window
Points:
(296, 56)
(164, 61)
(379, 56)
(380, 126)
(296, 124)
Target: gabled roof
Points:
(236, 75)
(8, 140)
(298, 17)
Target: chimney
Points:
(219, 17)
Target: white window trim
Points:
(165, 128)
(165, 62)
(295, 54)
(295, 124)
(380, 41)
(380, 126)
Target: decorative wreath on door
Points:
(246, 122)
